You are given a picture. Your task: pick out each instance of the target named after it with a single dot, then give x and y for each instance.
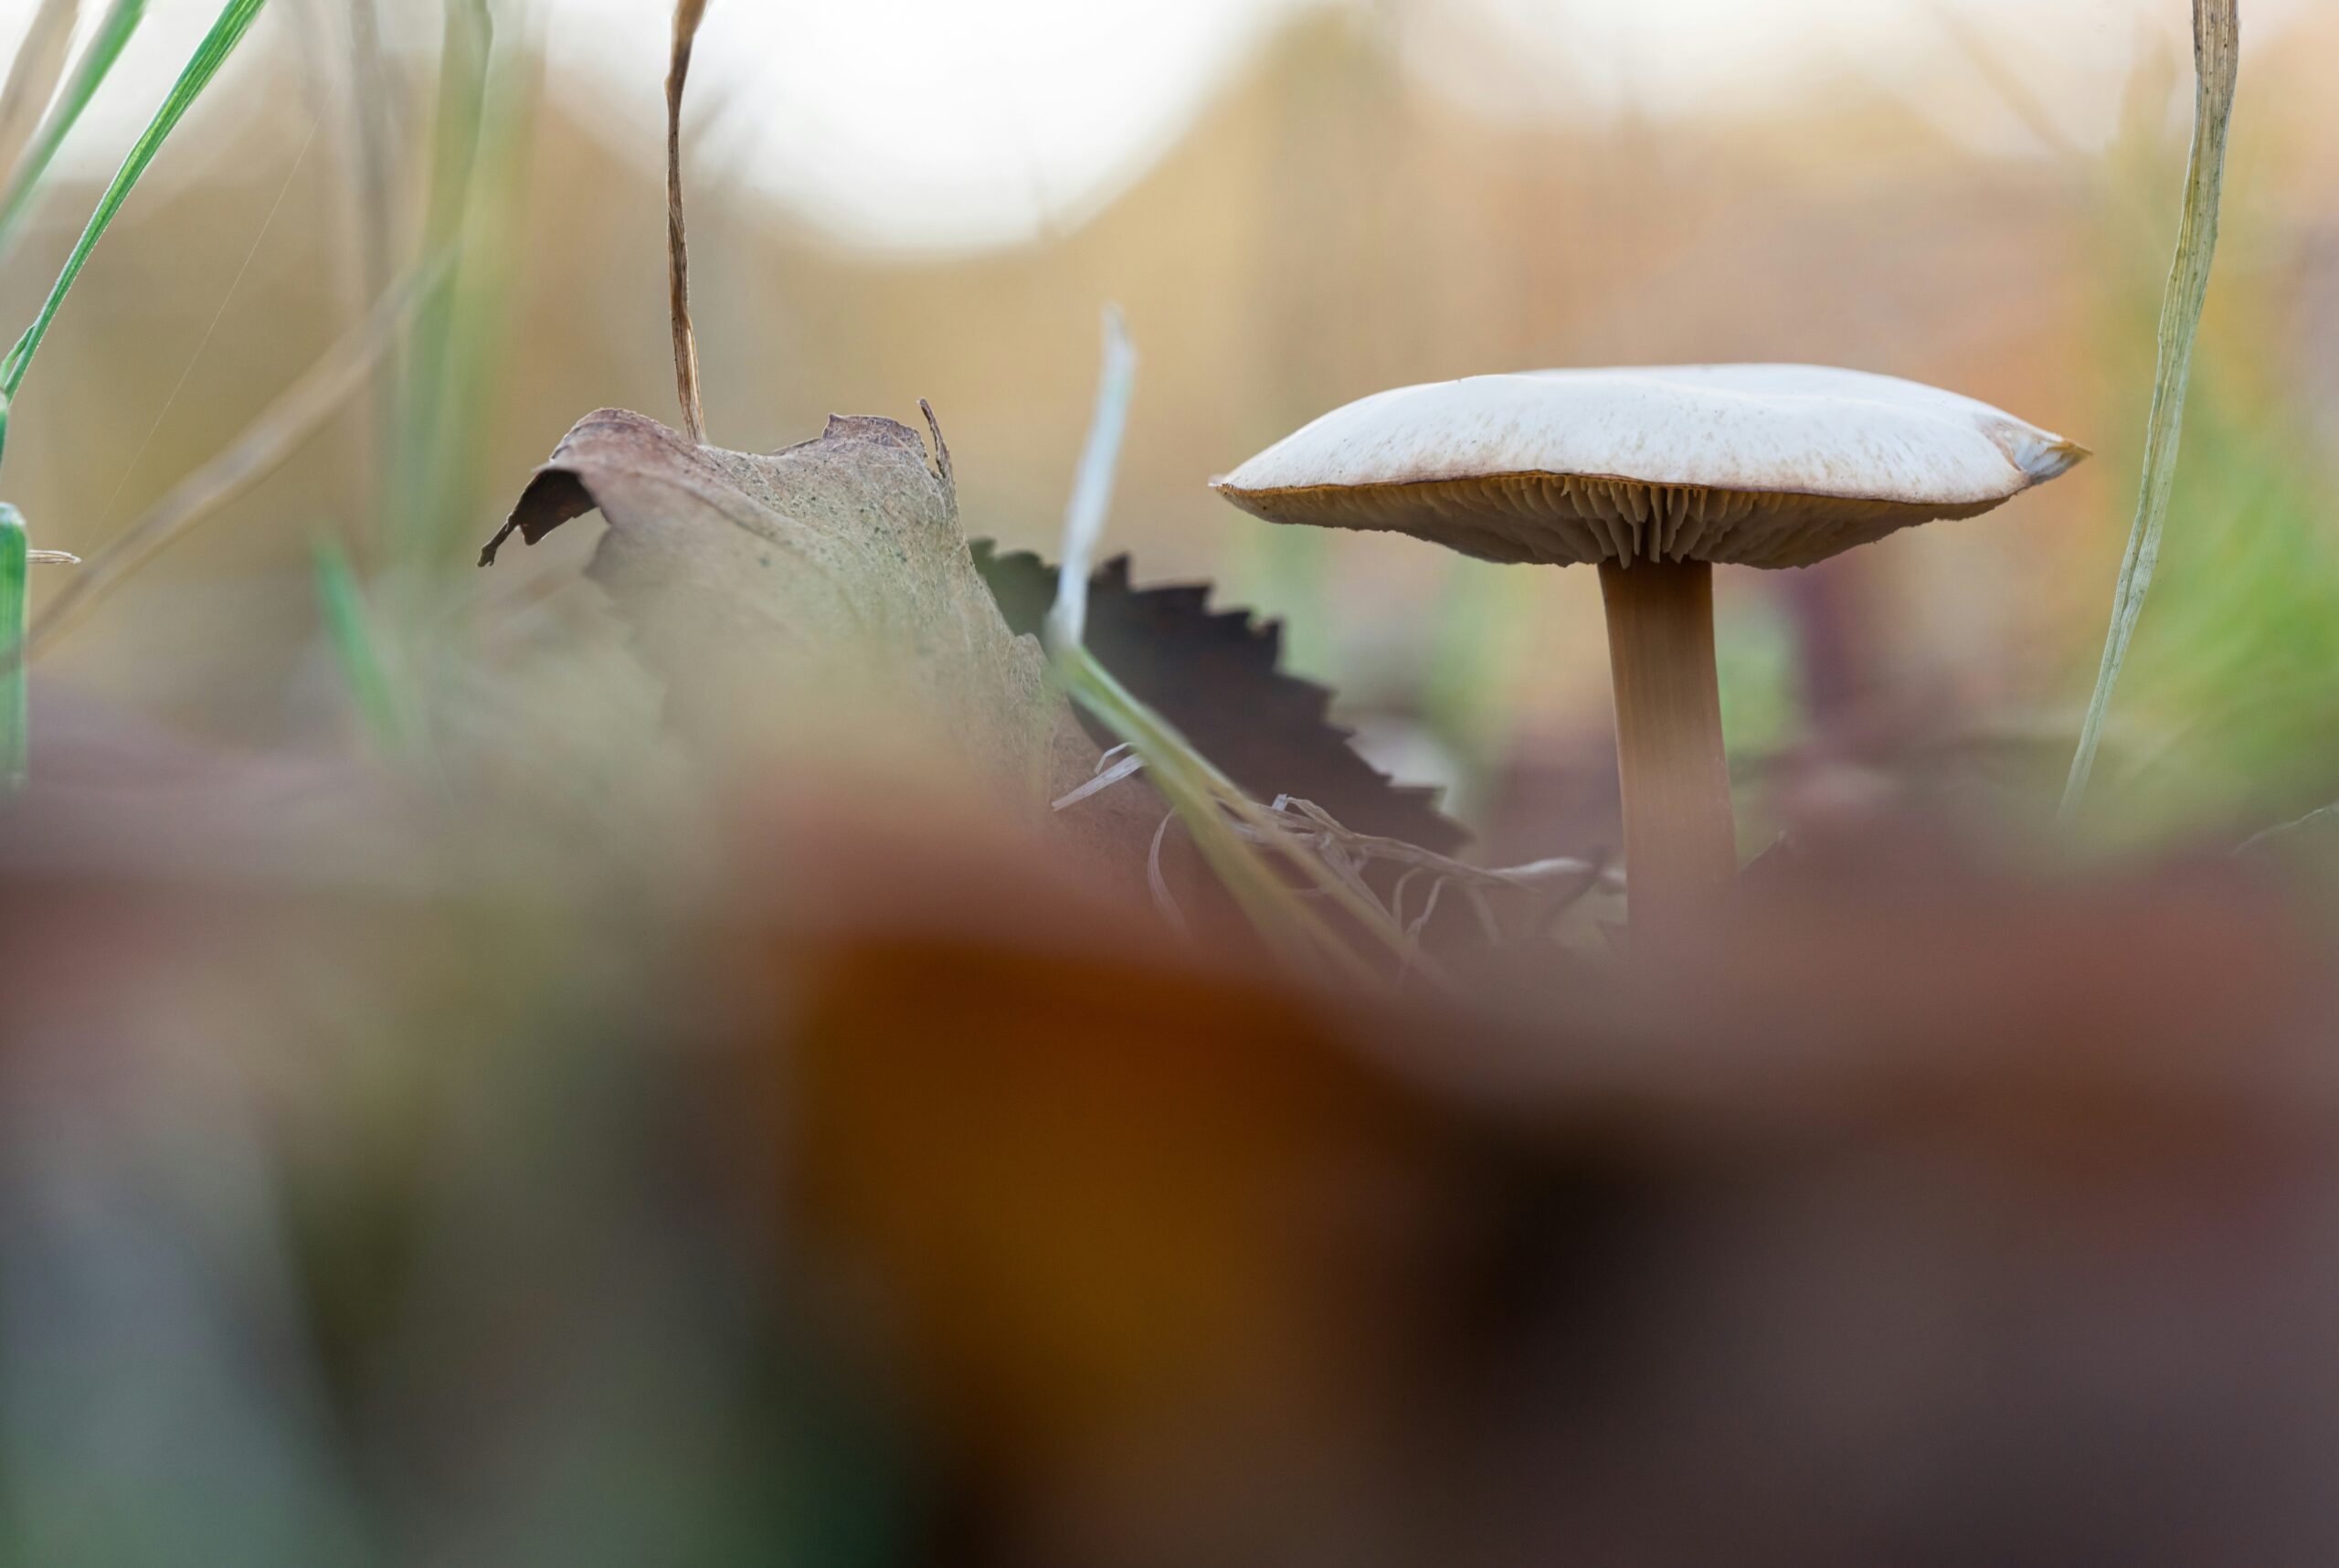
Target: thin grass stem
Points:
(349, 628)
(302, 410)
(688, 14)
(2217, 59)
(15, 704)
(235, 20)
(1092, 488)
(34, 75)
(1211, 805)
(113, 35)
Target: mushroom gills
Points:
(1555, 519)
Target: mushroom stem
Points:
(1680, 845)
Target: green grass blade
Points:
(2216, 51)
(451, 356)
(113, 35)
(349, 626)
(14, 707)
(1209, 803)
(235, 20)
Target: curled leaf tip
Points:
(942, 468)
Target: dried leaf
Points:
(1213, 675)
(826, 584)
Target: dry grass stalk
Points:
(373, 127)
(302, 410)
(1292, 828)
(1556, 883)
(33, 78)
(2216, 62)
(63, 106)
(688, 14)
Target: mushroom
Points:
(1655, 475)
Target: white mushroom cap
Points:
(1759, 465)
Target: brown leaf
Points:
(822, 593)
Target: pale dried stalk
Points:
(33, 77)
(1092, 485)
(1294, 828)
(2217, 61)
(688, 14)
(1211, 808)
(303, 409)
(374, 130)
(1982, 51)
(1348, 853)
(111, 35)
(1311, 821)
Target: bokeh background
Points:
(1296, 203)
(446, 1117)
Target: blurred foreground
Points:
(488, 1171)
